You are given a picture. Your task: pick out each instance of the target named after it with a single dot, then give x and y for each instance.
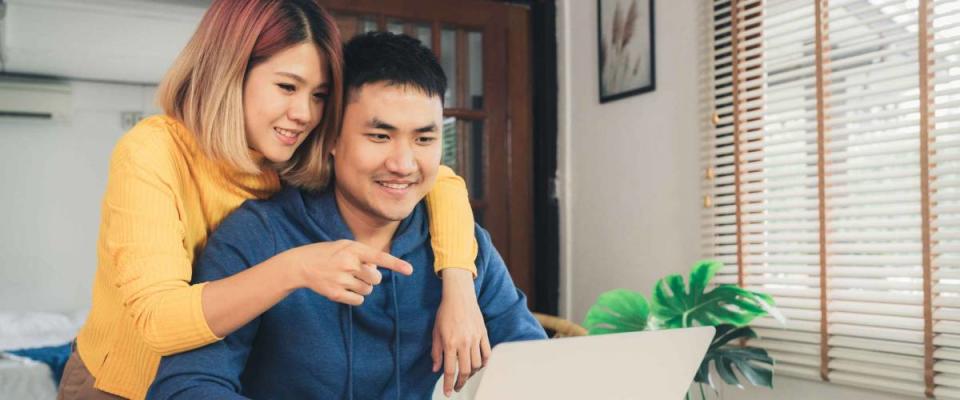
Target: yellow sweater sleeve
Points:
(451, 223)
(144, 238)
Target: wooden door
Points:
(483, 47)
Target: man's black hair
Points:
(395, 59)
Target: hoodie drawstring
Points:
(350, 352)
(396, 334)
(396, 341)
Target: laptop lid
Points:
(635, 365)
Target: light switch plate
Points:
(129, 119)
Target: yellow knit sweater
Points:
(163, 198)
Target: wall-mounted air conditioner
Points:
(132, 41)
(34, 98)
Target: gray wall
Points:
(628, 175)
(53, 174)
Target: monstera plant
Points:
(674, 304)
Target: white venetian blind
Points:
(833, 183)
(778, 210)
(872, 168)
(944, 184)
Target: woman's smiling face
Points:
(283, 100)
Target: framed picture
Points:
(625, 55)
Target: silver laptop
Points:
(636, 365)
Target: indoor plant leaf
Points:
(753, 363)
(675, 306)
(618, 310)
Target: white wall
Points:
(52, 176)
(628, 177)
(114, 40)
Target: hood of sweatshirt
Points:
(378, 321)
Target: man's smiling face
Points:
(388, 153)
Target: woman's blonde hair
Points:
(204, 87)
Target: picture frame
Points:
(625, 48)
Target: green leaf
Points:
(753, 363)
(725, 369)
(700, 276)
(726, 333)
(675, 306)
(617, 311)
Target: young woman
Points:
(247, 104)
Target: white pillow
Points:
(23, 330)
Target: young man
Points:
(384, 162)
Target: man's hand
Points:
(459, 335)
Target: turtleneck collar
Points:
(261, 184)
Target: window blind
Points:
(832, 182)
(944, 191)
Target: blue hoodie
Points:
(310, 347)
